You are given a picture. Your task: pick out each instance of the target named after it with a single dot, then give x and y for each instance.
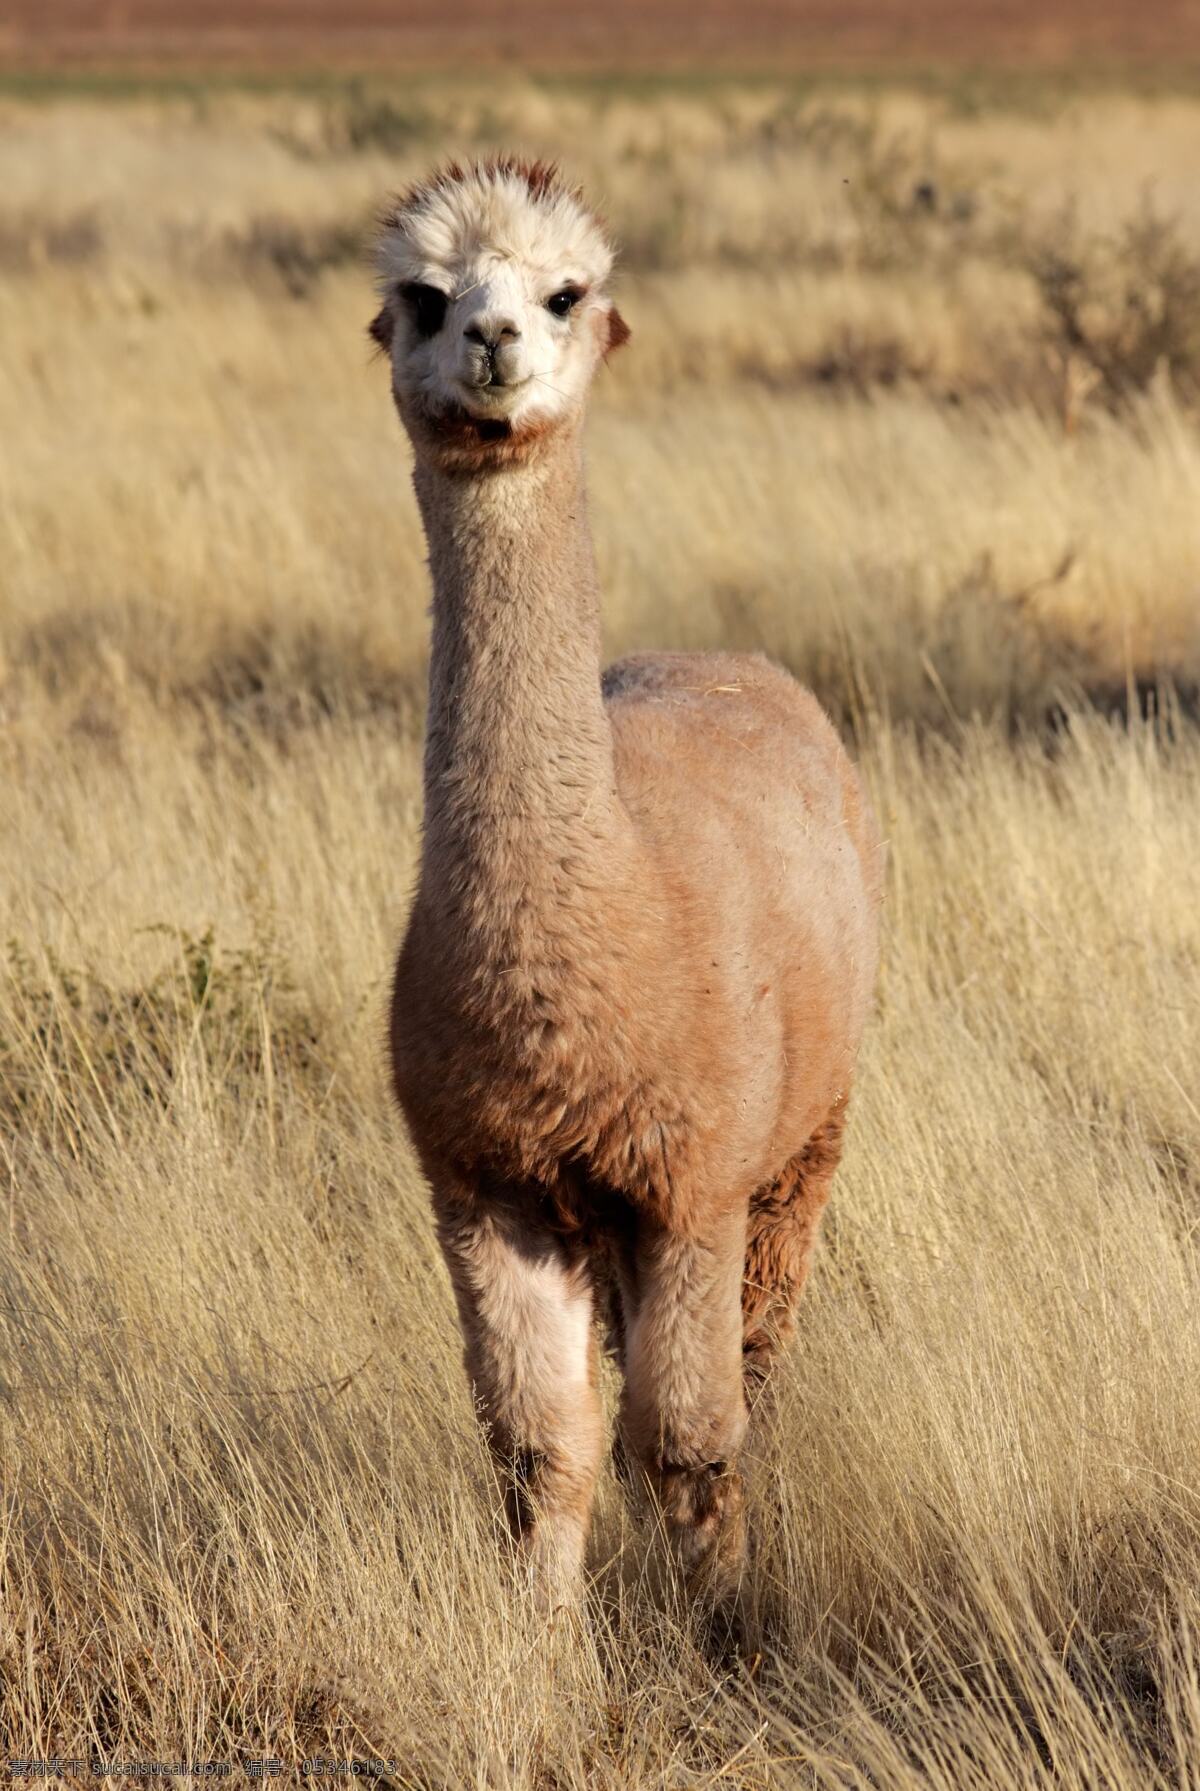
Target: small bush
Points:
(74, 1048)
(373, 121)
(28, 243)
(1119, 309)
(297, 254)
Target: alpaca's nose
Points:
(491, 332)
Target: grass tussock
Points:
(246, 1510)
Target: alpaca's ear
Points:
(618, 330)
(380, 330)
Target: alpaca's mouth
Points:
(493, 391)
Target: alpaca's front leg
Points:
(684, 1413)
(526, 1312)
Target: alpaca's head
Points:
(495, 311)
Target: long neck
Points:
(520, 796)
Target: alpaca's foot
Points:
(551, 1553)
(724, 1631)
(704, 1509)
(547, 1500)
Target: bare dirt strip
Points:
(617, 34)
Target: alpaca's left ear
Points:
(380, 330)
(618, 331)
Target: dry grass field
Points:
(911, 402)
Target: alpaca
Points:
(642, 947)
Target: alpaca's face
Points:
(494, 305)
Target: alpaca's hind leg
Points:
(781, 1234)
(525, 1303)
(684, 1414)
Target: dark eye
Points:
(564, 301)
(427, 308)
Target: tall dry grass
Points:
(246, 1509)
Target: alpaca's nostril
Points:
(491, 332)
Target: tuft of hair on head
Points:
(512, 195)
(539, 178)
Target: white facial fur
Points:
(499, 243)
